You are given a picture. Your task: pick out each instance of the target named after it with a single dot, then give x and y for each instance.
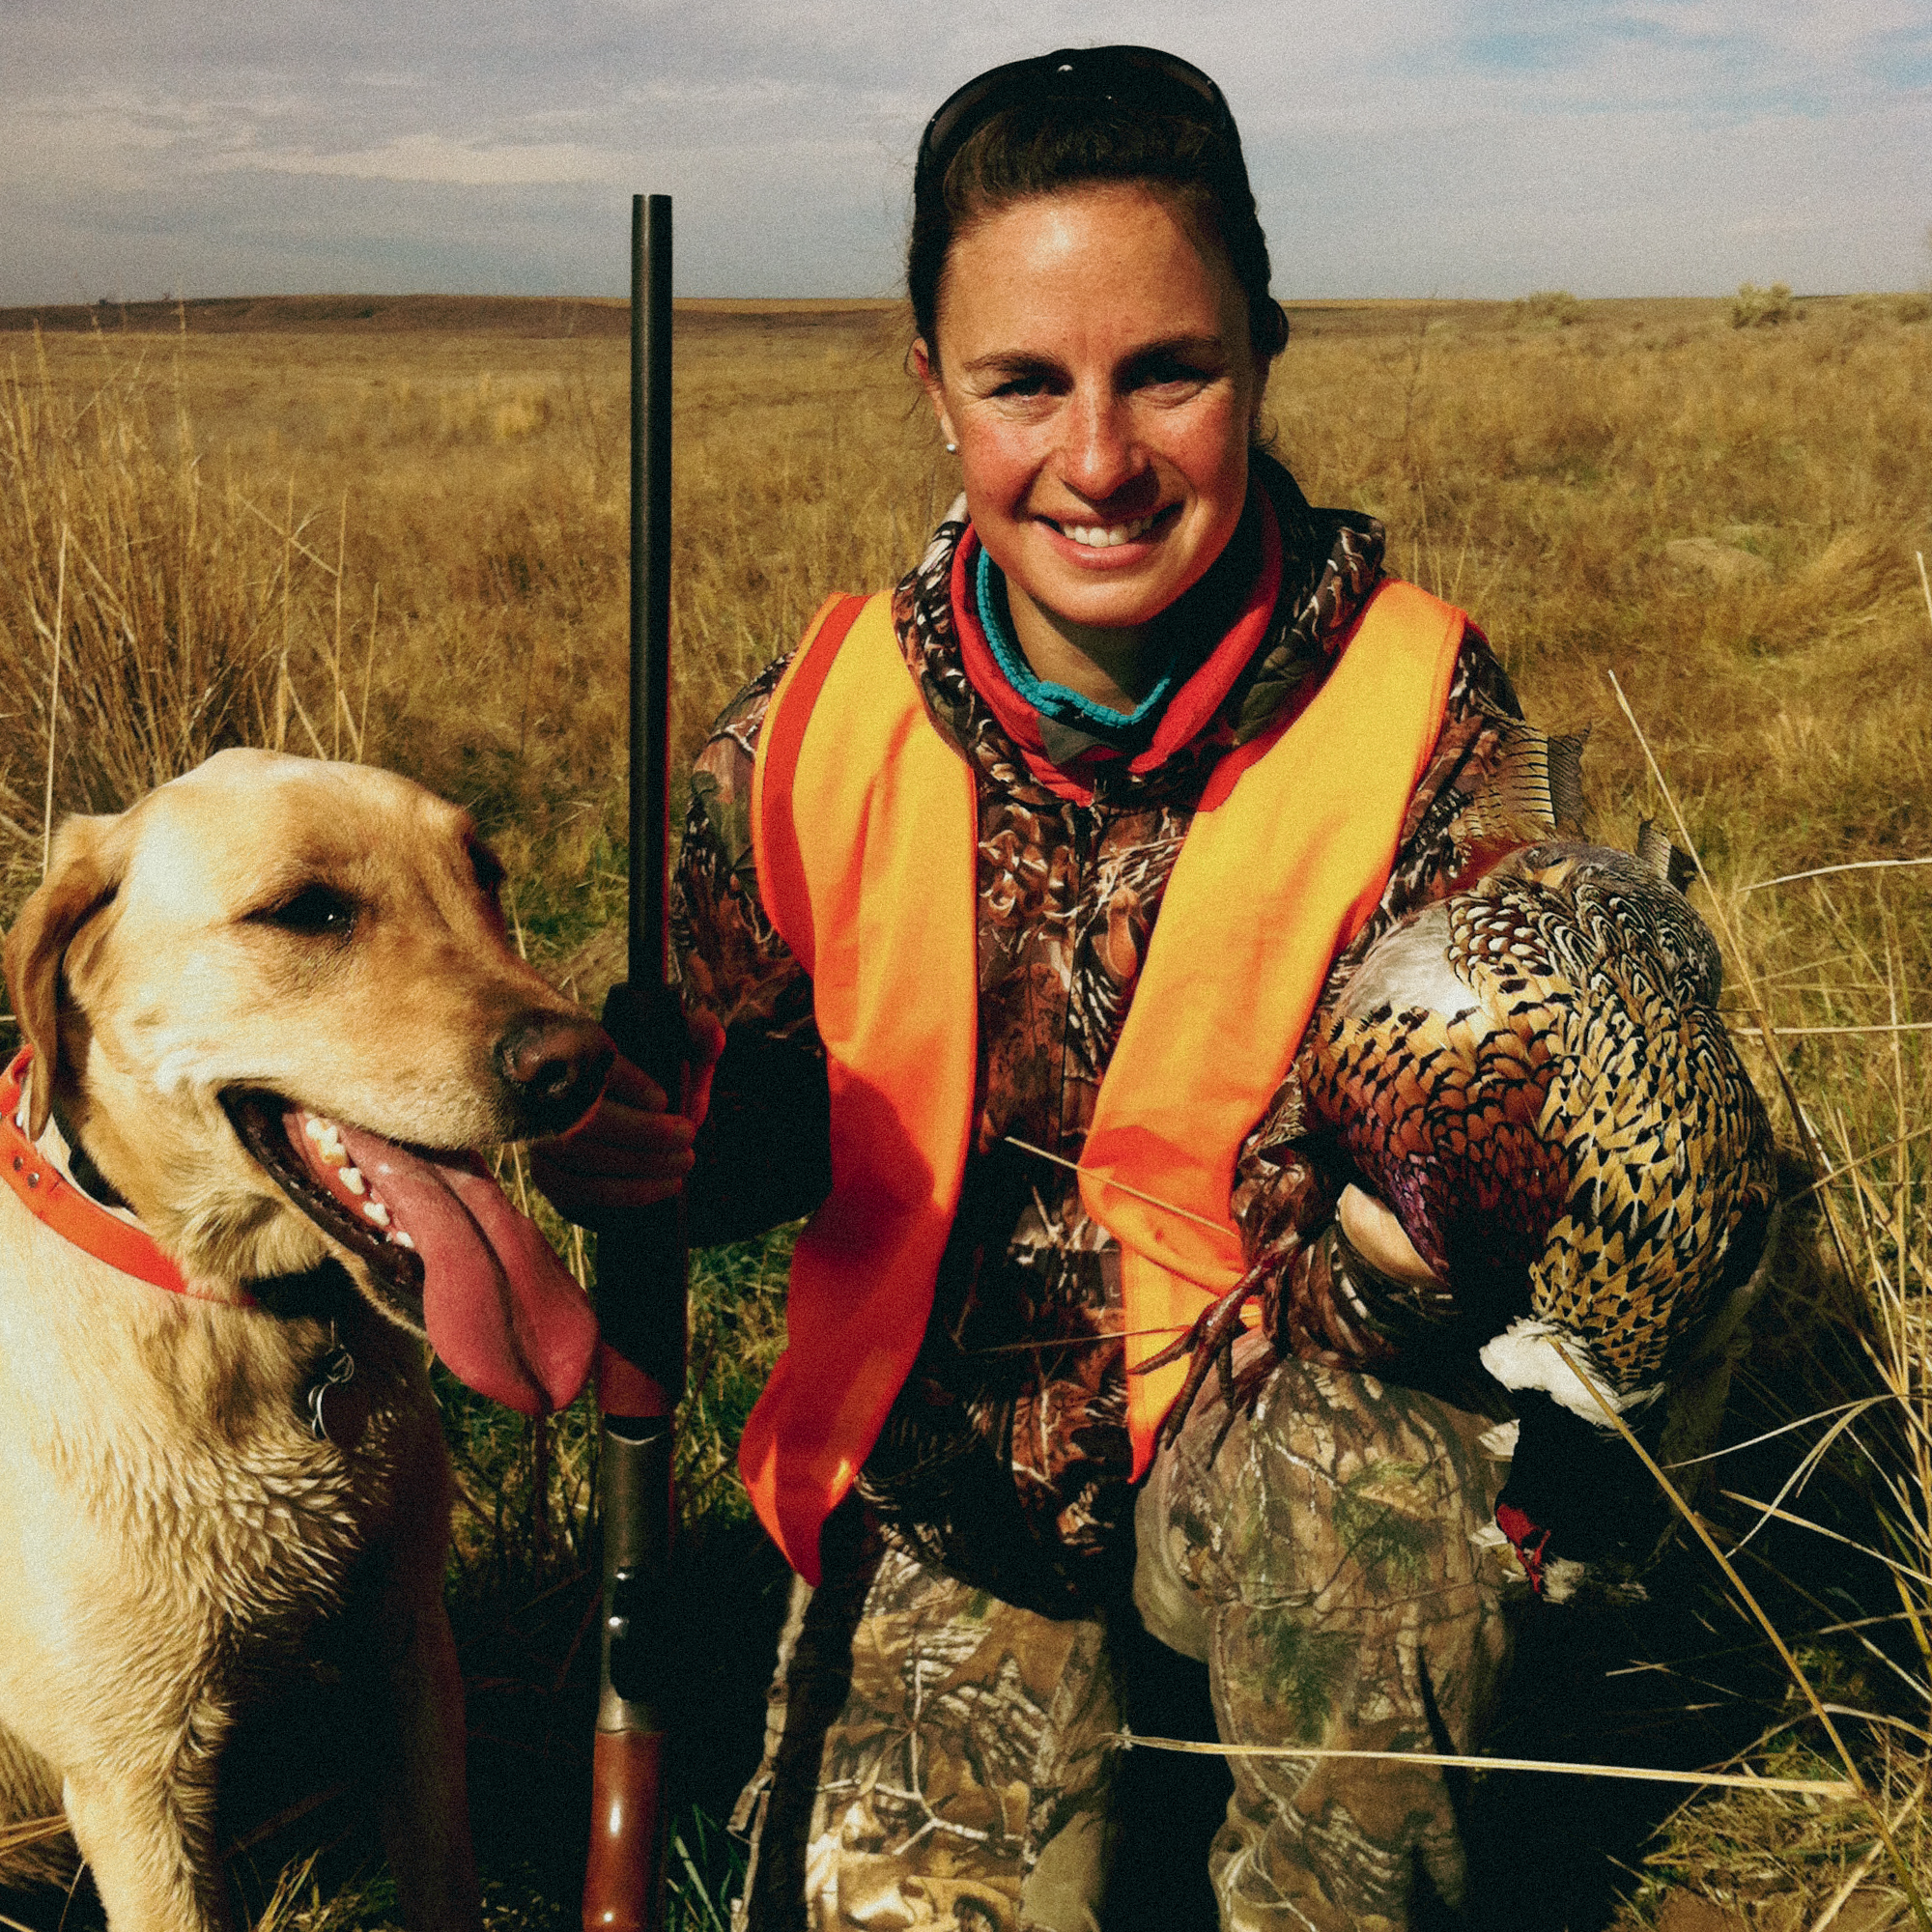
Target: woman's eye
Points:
(1171, 373)
(316, 911)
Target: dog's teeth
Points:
(351, 1179)
(374, 1211)
(399, 1239)
(313, 1128)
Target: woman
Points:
(1148, 829)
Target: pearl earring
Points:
(952, 449)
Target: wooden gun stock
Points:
(627, 1833)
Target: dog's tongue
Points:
(503, 1313)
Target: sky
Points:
(1452, 148)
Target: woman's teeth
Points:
(1098, 537)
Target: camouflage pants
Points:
(937, 1759)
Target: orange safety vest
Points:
(863, 828)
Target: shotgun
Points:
(642, 1279)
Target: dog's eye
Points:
(317, 910)
(490, 873)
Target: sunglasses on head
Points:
(1142, 77)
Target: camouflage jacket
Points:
(1006, 1456)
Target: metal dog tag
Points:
(333, 1415)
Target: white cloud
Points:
(1478, 146)
(438, 157)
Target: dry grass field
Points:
(395, 529)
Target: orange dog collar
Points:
(57, 1203)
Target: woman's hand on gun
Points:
(631, 1150)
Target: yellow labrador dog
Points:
(271, 1019)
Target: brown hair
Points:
(1042, 144)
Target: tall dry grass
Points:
(151, 618)
(411, 547)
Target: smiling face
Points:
(1093, 366)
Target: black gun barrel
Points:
(642, 1277)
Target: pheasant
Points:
(1533, 1130)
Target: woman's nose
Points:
(1100, 456)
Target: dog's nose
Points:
(555, 1066)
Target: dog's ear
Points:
(83, 871)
